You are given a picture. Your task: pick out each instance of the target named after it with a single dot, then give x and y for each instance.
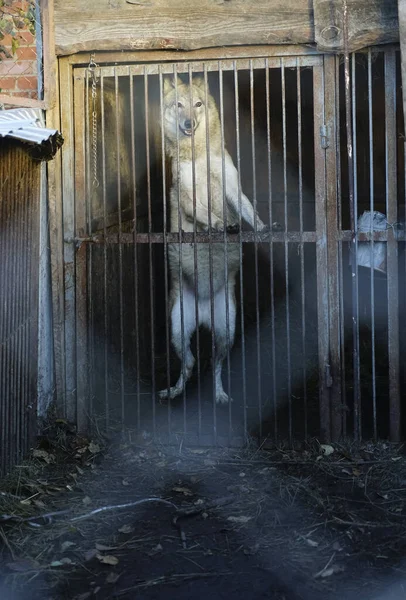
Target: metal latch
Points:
(328, 377)
(324, 137)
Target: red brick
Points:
(26, 94)
(7, 83)
(14, 67)
(26, 53)
(26, 36)
(27, 83)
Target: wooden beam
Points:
(179, 24)
(370, 22)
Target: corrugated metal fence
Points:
(19, 264)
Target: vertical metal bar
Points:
(340, 252)
(19, 260)
(392, 245)
(286, 249)
(353, 219)
(254, 194)
(301, 244)
(136, 269)
(225, 215)
(271, 261)
(69, 393)
(372, 270)
(333, 374)
(166, 275)
(150, 248)
(182, 323)
(237, 131)
(83, 192)
(213, 339)
(195, 264)
(105, 279)
(120, 248)
(321, 253)
(355, 308)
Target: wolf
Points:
(203, 174)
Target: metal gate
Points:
(281, 119)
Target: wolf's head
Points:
(184, 108)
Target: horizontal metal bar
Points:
(189, 237)
(199, 66)
(376, 236)
(232, 238)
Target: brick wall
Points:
(19, 67)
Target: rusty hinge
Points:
(324, 139)
(328, 377)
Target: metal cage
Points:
(311, 357)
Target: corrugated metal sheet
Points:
(27, 125)
(19, 264)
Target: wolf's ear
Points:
(199, 82)
(169, 83)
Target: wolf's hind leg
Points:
(224, 333)
(182, 344)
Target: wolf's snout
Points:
(188, 126)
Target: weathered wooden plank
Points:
(370, 23)
(176, 24)
(402, 36)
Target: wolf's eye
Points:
(198, 103)
(180, 105)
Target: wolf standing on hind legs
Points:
(192, 131)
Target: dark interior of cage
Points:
(272, 371)
(372, 174)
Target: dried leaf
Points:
(126, 529)
(66, 545)
(158, 548)
(90, 554)
(61, 563)
(108, 559)
(125, 482)
(329, 571)
(86, 500)
(240, 519)
(113, 577)
(22, 565)
(94, 448)
(48, 458)
(242, 474)
(102, 547)
(39, 503)
(326, 449)
(312, 543)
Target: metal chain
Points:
(93, 75)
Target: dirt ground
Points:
(316, 523)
